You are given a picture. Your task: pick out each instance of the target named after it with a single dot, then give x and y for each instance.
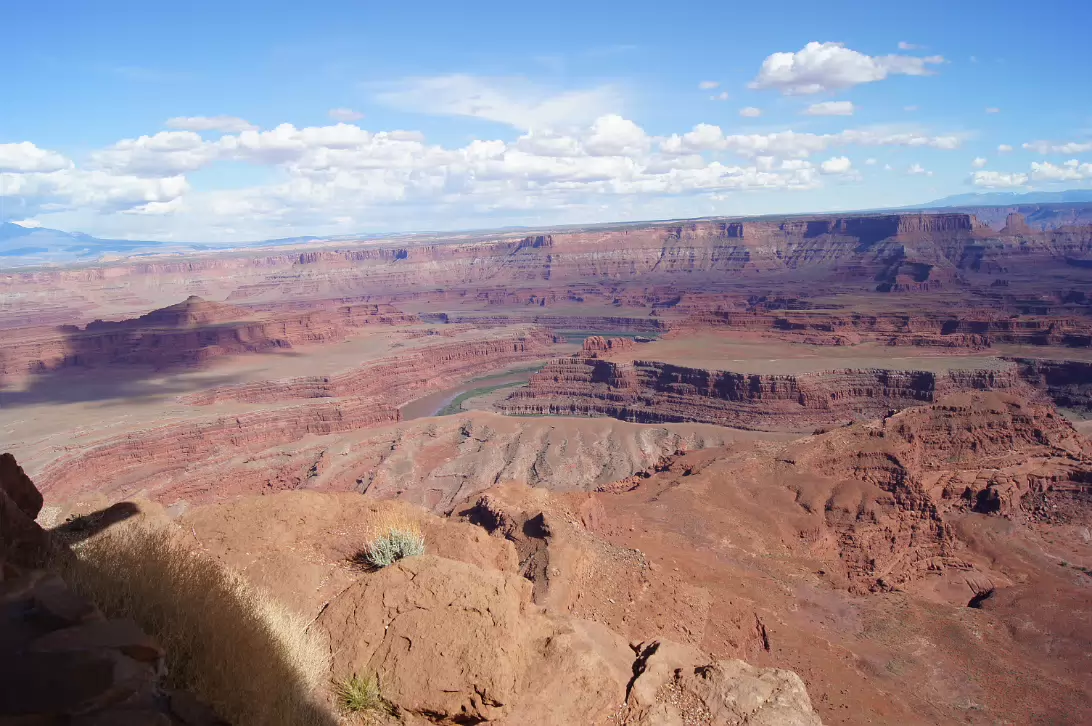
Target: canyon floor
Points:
(852, 448)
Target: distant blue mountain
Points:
(1000, 199)
(37, 245)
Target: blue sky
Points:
(237, 121)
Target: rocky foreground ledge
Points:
(454, 642)
(61, 660)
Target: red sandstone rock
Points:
(599, 344)
(650, 391)
(18, 486)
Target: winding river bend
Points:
(434, 404)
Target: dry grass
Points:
(245, 655)
(356, 695)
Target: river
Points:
(434, 403)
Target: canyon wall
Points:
(218, 443)
(399, 377)
(1067, 382)
(652, 391)
(973, 329)
(189, 333)
(865, 250)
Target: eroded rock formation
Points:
(61, 659)
(651, 391)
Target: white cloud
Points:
(613, 135)
(903, 45)
(344, 114)
(27, 223)
(819, 67)
(511, 101)
(870, 162)
(916, 169)
(998, 180)
(30, 194)
(156, 209)
(1004, 148)
(333, 176)
(1048, 147)
(830, 108)
(722, 96)
(1071, 170)
(750, 112)
(708, 137)
(26, 157)
(164, 154)
(979, 162)
(910, 108)
(227, 124)
(993, 109)
(708, 85)
(836, 165)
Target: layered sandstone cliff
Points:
(652, 391)
(188, 333)
(192, 457)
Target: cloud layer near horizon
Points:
(563, 154)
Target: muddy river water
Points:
(435, 403)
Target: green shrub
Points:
(393, 545)
(360, 695)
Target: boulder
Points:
(674, 685)
(17, 485)
(461, 644)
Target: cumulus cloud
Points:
(830, 108)
(820, 67)
(910, 108)
(30, 194)
(998, 180)
(709, 137)
(227, 124)
(903, 45)
(979, 162)
(1049, 147)
(1071, 170)
(1004, 148)
(916, 169)
(26, 157)
(708, 85)
(613, 135)
(722, 96)
(511, 101)
(750, 112)
(346, 115)
(993, 109)
(836, 165)
(344, 172)
(164, 154)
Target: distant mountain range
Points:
(1005, 199)
(31, 246)
(21, 246)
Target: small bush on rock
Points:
(360, 695)
(395, 545)
(392, 540)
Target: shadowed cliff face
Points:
(652, 392)
(189, 334)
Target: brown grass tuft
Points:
(247, 656)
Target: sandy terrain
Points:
(733, 352)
